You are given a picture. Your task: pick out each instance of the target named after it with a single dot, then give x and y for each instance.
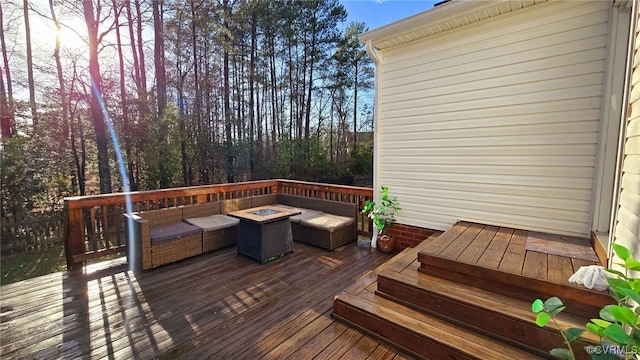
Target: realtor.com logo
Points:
(611, 350)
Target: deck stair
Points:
(433, 317)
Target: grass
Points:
(25, 264)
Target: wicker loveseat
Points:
(161, 237)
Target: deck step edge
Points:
(505, 318)
(585, 302)
(417, 333)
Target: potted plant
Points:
(383, 216)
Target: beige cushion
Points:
(213, 223)
(328, 221)
(305, 214)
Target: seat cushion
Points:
(327, 222)
(214, 222)
(172, 232)
(305, 214)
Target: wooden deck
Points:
(218, 305)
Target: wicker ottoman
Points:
(218, 231)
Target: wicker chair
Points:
(161, 237)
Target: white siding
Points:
(497, 122)
(627, 228)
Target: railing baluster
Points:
(117, 219)
(93, 228)
(105, 226)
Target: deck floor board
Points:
(217, 303)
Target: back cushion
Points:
(162, 217)
(290, 200)
(262, 200)
(230, 205)
(201, 210)
(341, 209)
(313, 204)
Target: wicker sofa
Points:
(167, 235)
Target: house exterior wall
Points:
(627, 222)
(500, 129)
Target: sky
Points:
(377, 13)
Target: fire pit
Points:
(264, 233)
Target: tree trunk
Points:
(143, 75)
(6, 102)
(161, 89)
(63, 91)
(227, 95)
(96, 96)
(201, 130)
(355, 108)
(252, 120)
(134, 52)
(32, 89)
(158, 41)
(126, 129)
(307, 115)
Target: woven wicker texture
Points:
(230, 205)
(214, 240)
(328, 239)
(171, 251)
(289, 200)
(153, 255)
(162, 217)
(341, 209)
(262, 200)
(310, 203)
(200, 210)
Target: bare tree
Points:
(32, 89)
(226, 11)
(161, 90)
(6, 97)
(158, 41)
(97, 117)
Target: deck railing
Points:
(95, 224)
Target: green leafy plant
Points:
(384, 213)
(618, 326)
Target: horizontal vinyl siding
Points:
(627, 229)
(497, 122)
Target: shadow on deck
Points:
(217, 305)
(467, 293)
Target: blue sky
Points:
(377, 13)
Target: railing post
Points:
(74, 236)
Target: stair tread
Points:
(477, 297)
(430, 327)
(370, 276)
(409, 255)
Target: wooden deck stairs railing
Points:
(457, 311)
